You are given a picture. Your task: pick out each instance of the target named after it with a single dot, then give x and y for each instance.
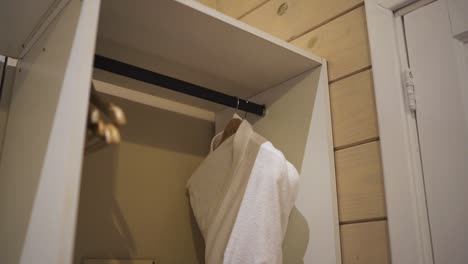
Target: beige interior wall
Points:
(133, 201)
(336, 30)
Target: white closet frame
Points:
(55, 42)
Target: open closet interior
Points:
(131, 199)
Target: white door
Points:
(41, 157)
(437, 60)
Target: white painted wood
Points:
(458, 11)
(419, 192)
(442, 127)
(411, 7)
(7, 90)
(404, 190)
(463, 68)
(3, 62)
(465, 49)
(192, 42)
(154, 101)
(394, 5)
(461, 54)
(318, 183)
(298, 123)
(4, 102)
(42, 155)
(30, 18)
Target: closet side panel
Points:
(298, 123)
(6, 91)
(42, 153)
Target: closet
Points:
(62, 204)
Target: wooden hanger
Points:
(115, 113)
(102, 131)
(114, 134)
(230, 129)
(232, 126)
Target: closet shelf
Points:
(193, 43)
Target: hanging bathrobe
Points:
(241, 196)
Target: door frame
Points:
(408, 223)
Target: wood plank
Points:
(208, 3)
(365, 243)
(238, 8)
(290, 19)
(353, 109)
(342, 41)
(359, 183)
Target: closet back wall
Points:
(336, 30)
(133, 201)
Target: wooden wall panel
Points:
(342, 41)
(353, 110)
(238, 8)
(359, 183)
(365, 243)
(289, 19)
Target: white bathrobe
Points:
(241, 196)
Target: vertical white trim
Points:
(458, 17)
(404, 188)
(462, 59)
(55, 206)
(419, 192)
(322, 188)
(394, 4)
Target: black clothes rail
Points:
(131, 71)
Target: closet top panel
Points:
(21, 20)
(191, 42)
